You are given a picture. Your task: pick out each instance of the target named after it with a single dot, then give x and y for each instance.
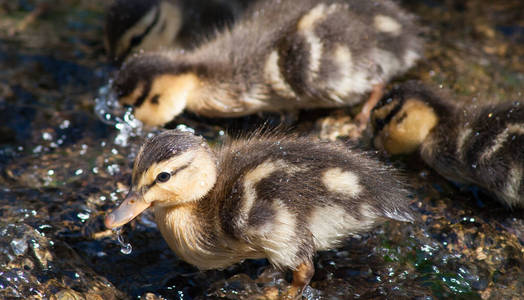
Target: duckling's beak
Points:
(132, 206)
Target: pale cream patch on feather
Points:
(158, 37)
(410, 58)
(387, 24)
(511, 191)
(251, 178)
(501, 138)
(348, 81)
(344, 182)
(388, 62)
(260, 172)
(462, 137)
(124, 43)
(255, 98)
(306, 25)
(278, 237)
(331, 224)
(368, 216)
(274, 76)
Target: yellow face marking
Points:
(196, 177)
(387, 24)
(167, 98)
(408, 128)
(344, 182)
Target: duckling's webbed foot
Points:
(362, 118)
(301, 277)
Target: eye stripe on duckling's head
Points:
(161, 149)
(157, 88)
(122, 17)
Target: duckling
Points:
(483, 145)
(281, 55)
(133, 25)
(267, 196)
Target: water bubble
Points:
(183, 127)
(111, 112)
(79, 172)
(474, 166)
(19, 246)
(47, 136)
(125, 247)
(51, 172)
(65, 124)
(83, 216)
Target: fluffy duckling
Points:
(280, 198)
(482, 145)
(133, 25)
(282, 55)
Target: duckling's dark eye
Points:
(163, 177)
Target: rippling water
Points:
(66, 154)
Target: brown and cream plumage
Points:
(268, 196)
(481, 145)
(281, 55)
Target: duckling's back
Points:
(484, 146)
(294, 196)
(323, 53)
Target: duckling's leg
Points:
(362, 118)
(301, 277)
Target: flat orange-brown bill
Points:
(132, 206)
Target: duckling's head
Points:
(156, 86)
(133, 25)
(404, 118)
(172, 168)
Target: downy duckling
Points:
(281, 55)
(474, 145)
(133, 25)
(274, 197)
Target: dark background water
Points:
(61, 170)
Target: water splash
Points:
(125, 247)
(111, 112)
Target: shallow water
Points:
(62, 167)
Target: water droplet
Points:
(125, 247)
(65, 124)
(46, 136)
